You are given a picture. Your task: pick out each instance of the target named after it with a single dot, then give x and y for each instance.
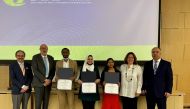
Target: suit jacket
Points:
(157, 85)
(39, 69)
(72, 64)
(17, 77)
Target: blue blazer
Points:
(17, 77)
(157, 85)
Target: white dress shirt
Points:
(66, 64)
(23, 72)
(131, 80)
(157, 62)
(22, 68)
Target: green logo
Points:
(14, 3)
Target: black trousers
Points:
(42, 96)
(129, 103)
(152, 101)
(88, 104)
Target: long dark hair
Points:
(130, 53)
(106, 68)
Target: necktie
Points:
(155, 67)
(46, 65)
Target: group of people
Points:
(155, 81)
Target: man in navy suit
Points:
(21, 76)
(157, 80)
(43, 66)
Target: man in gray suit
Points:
(43, 66)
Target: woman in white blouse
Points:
(131, 81)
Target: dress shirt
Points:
(131, 80)
(157, 62)
(22, 67)
(66, 63)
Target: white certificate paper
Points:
(111, 88)
(64, 84)
(88, 87)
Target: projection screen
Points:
(103, 28)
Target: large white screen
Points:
(79, 23)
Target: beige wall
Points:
(175, 40)
(4, 77)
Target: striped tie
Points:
(155, 67)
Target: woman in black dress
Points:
(89, 99)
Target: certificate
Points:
(64, 84)
(111, 88)
(88, 87)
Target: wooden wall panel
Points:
(4, 77)
(173, 51)
(187, 52)
(170, 20)
(170, 5)
(186, 36)
(177, 36)
(175, 41)
(184, 5)
(187, 20)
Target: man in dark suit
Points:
(157, 80)
(43, 67)
(21, 76)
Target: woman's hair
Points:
(134, 56)
(106, 68)
(89, 56)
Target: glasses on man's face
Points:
(20, 56)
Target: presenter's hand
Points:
(79, 81)
(137, 94)
(56, 78)
(119, 84)
(167, 94)
(47, 82)
(26, 88)
(72, 78)
(97, 81)
(143, 92)
(22, 90)
(104, 83)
